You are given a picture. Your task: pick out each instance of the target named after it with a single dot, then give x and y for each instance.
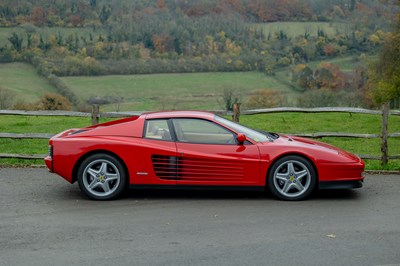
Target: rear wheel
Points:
(101, 177)
(292, 178)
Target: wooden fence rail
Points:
(95, 115)
(26, 136)
(68, 113)
(23, 156)
(318, 135)
(316, 110)
(245, 112)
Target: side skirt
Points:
(189, 187)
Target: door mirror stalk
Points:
(241, 138)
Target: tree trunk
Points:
(236, 112)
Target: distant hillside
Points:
(78, 13)
(98, 37)
(285, 40)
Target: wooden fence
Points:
(95, 115)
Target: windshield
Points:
(250, 133)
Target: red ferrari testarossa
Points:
(192, 149)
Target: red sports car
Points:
(190, 149)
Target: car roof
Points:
(180, 114)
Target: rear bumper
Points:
(340, 184)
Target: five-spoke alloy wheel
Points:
(101, 177)
(292, 178)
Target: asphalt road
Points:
(46, 221)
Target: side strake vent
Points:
(165, 167)
(180, 168)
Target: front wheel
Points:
(292, 178)
(101, 177)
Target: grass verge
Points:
(282, 123)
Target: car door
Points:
(157, 158)
(208, 154)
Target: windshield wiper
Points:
(270, 135)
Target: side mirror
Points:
(241, 138)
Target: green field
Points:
(282, 123)
(144, 92)
(293, 29)
(345, 63)
(173, 91)
(24, 81)
(198, 91)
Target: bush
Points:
(265, 98)
(21, 105)
(54, 101)
(329, 98)
(6, 98)
(63, 89)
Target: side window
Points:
(157, 129)
(202, 131)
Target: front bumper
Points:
(49, 163)
(341, 184)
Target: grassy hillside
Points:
(157, 91)
(293, 29)
(24, 81)
(172, 91)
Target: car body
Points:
(194, 149)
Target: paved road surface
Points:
(46, 221)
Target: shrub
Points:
(265, 98)
(6, 98)
(21, 105)
(54, 101)
(329, 98)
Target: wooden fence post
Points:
(384, 145)
(95, 114)
(236, 112)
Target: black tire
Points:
(102, 177)
(292, 178)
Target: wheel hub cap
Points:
(292, 178)
(101, 178)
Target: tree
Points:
(16, 41)
(76, 21)
(228, 99)
(385, 72)
(105, 13)
(39, 16)
(304, 77)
